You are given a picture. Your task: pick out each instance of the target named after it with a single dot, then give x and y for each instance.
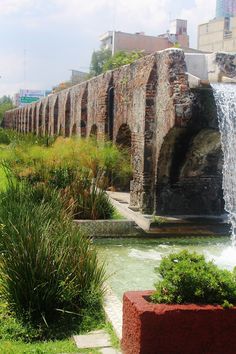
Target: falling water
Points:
(225, 97)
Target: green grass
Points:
(14, 347)
(13, 337)
(3, 179)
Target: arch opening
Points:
(30, 119)
(110, 122)
(68, 115)
(93, 131)
(55, 117)
(47, 118)
(74, 129)
(189, 173)
(123, 137)
(40, 120)
(84, 113)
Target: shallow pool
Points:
(131, 262)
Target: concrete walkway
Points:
(99, 340)
(121, 202)
(181, 225)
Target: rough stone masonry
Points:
(149, 107)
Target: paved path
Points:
(95, 340)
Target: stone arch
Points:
(55, 116)
(68, 113)
(189, 173)
(40, 119)
(94, 131)
(84, 113)
(46, 118)
(148, 183)
(123, 137)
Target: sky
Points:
(41, 40)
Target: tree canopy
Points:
(122, 58)
(5, 104)
(99, 58)
(102, 60)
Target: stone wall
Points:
(146, 106)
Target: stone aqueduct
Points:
(148, 106)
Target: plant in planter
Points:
(189, 278)
(191, 310)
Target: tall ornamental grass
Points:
(47, 266)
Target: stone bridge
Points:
(162, 108)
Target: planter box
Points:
(109, 228)
(176, 329)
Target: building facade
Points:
(121, 41)
(219, 34)
(225, 8)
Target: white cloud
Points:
(8, 7)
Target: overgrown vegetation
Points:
(48, 268)
(80, 169)
(99, 58)
(122, 58)
(189, 278)
(51, 280)
(5, 105)
(102, 60)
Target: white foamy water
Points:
(225, 98)
(150, 255)
(226, 259)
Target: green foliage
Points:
(189, 278)
(48, 268)
(99, 58)
(5, 105)
(121, 58)
(86, 200)
(25, 140)
(79, 168)
(4, 138)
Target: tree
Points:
(5, 105)
(99, 58)
(121, 58)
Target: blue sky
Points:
(58, 35)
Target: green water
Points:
(131, 262)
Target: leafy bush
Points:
(48, 268)
(189, 278)
(4, 138)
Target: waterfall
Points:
(225, 98)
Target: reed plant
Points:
(48, 268)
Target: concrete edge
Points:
(113, 310)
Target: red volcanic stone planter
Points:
(176, 329)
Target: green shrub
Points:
(189, 278)
(48, 268)
(4, 138)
